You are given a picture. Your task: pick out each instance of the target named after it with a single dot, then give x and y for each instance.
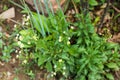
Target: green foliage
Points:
(6, 53)
(93, 2)
(90, 57)
(6, 49)
(31, 74)
(49, 45)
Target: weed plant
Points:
(53, 44)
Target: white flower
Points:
(15, 26)
(27, 23)
(73, 11)
(17, 56)
(69, 38)
(60, 60)
(29, 42)
(54, 73)
(17, 35)
(64, 32)
(21, 38)
(16, 51)
(20, 44)
(23, 23)
(34, 37)
(64, 68)
(55, 66)
(19, 52)
(25, 61)
(72, 27)
(16, 38)
(28, 17)
(9, 74)
(60, 38)
(63, 73)
(24, 15)
(68, 42)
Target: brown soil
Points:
(8, 71)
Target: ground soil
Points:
(12, 69)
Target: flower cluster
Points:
(26, 20)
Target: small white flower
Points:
(64, 32)
(64, 68)
(68, 42)
(20, 44)
(16, 38)
(16, 51)
(29, 43)
(21, 38)
(23, 23)
(20, 52)
(63, 73)
(17, 56)
(55, 66)
(60, 60)
(34, 37)
(27, 23)
(73, 11)
(54, 73)
(9, 74)
(17, 35)
(69, 38)
(25, 61)
(28, 18)
(15, 26)
(24, 15)
(72, 27)
(60, 38)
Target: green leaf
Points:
(101, 66)
(0, 43)
(26, 32)
(113, 66)
(76, 1)
(93, 2)
(109, 76)
(42, 59)
(41, 44)
(49, 66)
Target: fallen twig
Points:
(76, 10)
(115, 8)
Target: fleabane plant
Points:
(70, 54)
